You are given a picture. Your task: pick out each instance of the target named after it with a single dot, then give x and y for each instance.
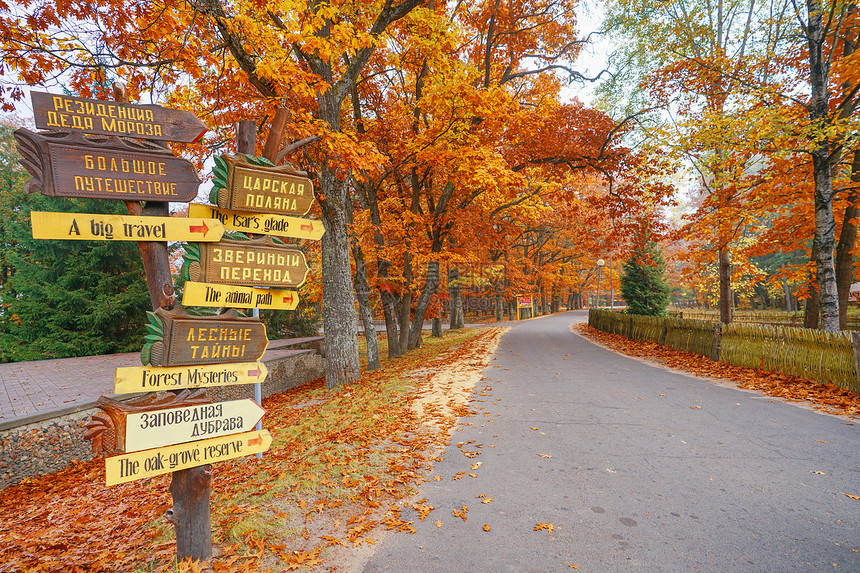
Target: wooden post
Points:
(191, 488)
(855, 344)
(718, 339)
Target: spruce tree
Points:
(643, 284)
(60, 299)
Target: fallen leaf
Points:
(486, 527)
(438, 523)
(853, 496)
(461, 514)
(822, 441)
(437, 478)
(817, 472)
(473, 475)
(545, 455)
(487, 500)
(695, 407)
(476, 465)
(548, 526)
(533, 428)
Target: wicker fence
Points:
(773, 317)
(822, 356)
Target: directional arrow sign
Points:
(277, 225)
(94, 227)
(149, 463)
(66, 113)
(130, 380)
(156, 428)
(227, 296)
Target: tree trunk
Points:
(404, 308)
(340, 321)
(427, 291)
(811, 310)
(825, 225)
(362, 292)
(456, 302)
(845, 248)
(725, 273)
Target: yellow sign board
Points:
(150, 463)
(94, 227)
(230, 296)
(276, 225)
(169, 426)
(153, 379)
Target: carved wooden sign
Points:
(107, 428)
(259, 262)
(129, 380)
(149, 463)
(267, 224)
(230, 296)
(67, 113)
(176, 338)
(241, 185)
(70, 165)
(97, 227)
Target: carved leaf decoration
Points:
(101, 430)
(259, 161)
(236, 236)
(30, 160)
(192, 255)
(154, 335)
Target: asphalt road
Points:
(650, 470)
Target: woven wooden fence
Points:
(696, 336)
(815, 354)
(776, 317)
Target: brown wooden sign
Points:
(264, 189)
(256, 262)
(107, 427)
(177, 338)
(67, 113)
(70, 165)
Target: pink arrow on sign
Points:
(199, 228)
(256, 372)
(309, 227)
(255, 441)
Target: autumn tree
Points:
(228, 61)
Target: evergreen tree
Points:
(643, 284)
(63, 298)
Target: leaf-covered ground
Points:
(339, 467)
(828, 398)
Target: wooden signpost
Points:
(70, 165)
(267, 224)
(258, 262)
(129, 380)
(177, 338)
(85, 226)
(244, 186)
(150, 463)
(147, 430)
(67, 113)
(226, 296)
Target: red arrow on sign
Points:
(199, 228)
(255, 441)
(255, 372)
(288, 299)
(307, 227)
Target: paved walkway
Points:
(40, 389)
(579, 457)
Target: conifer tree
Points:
(63, 298)
(643, 284)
